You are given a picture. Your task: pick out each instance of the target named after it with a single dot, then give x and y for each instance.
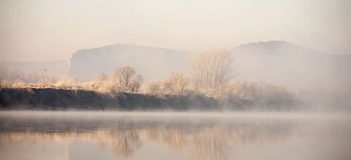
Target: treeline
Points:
(210, 80)
(63, 99)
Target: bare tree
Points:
(175, 84)
(136, 83)
(212, 71)
(153, 88)
(126, 79)
(124, 75)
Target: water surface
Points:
(28, 135)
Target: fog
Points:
(173, 135)
(42, 30)
(170, 79)
(302, 115)
(255, 76)
(282, 52)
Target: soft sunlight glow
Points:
(46, 30)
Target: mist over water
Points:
(182, 80)
(173, 135)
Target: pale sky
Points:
(53, 29)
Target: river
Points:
(78, 135)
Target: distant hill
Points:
(276, 62)
(150, 62)
(288, 64)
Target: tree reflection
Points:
(125, 143)
(176, 139)
(208, 142)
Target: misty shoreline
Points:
(177, 114)
(78, 99)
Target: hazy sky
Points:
(54, 29)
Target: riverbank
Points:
(68, 99)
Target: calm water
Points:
(194, 136)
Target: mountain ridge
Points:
(277, 62)
(150, 62)
(288, 64)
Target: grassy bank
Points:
(64, 99)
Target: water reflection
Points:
(125, 137)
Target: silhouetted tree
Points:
(154, 88)
(175, 84)
(126, 79)
(211, 72)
